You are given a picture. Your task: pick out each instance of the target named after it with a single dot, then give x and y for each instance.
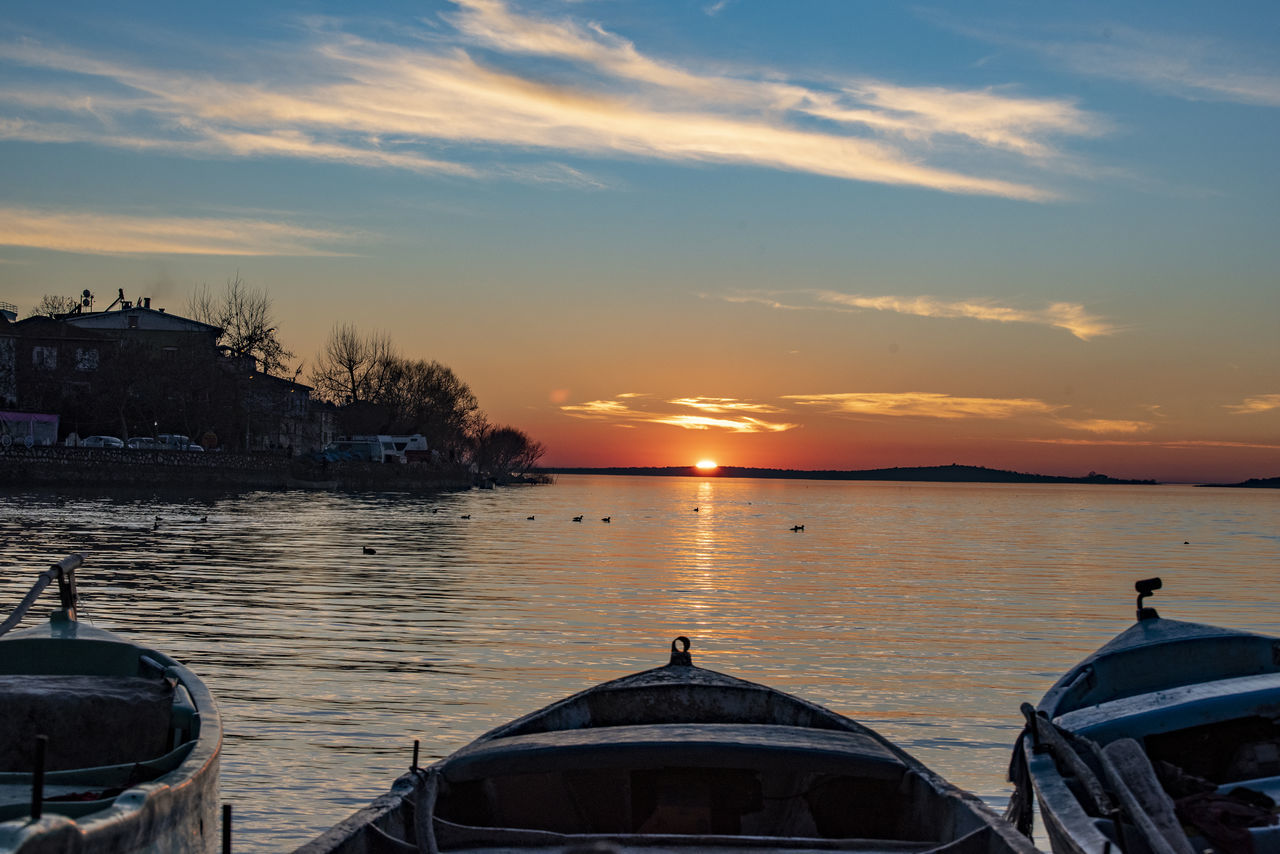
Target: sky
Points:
(1030, 236)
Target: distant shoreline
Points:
(928, 474)
(1251, 483)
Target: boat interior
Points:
(1220, 737)
(115, 716)
(733, 782)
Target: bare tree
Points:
(244, 315)
(503, 451)
(51, 305)
(429, 398)
(353, 368)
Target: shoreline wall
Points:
(58, 466)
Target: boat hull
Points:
(1196, 704)
(145, 803)
(678, 758)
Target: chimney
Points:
(146, 302)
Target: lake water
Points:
(928, 611)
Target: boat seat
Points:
(89, 720)
(725, 779)
(724, 745)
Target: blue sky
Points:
(628, 225)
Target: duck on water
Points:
(676, 758)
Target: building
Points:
(134, 370)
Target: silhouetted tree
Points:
(429, 398)
(51, 305)
(244, 315)
(353, 368)
(377, 391)
(503, 451)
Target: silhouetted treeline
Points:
(1251, 483)
(934, 474)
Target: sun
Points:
(706, 465)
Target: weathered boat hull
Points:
(678, 758)
(1165, 716)
(148, 802)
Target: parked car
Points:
(102, 442)
(194, 447)
(175, 441)
(144, 443)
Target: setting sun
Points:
(706, 465)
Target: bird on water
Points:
(369, 551)
(607, 519)
(797, 527)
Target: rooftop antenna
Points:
(1145, 588)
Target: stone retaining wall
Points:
(59, 466)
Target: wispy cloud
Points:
(493, 81)
(1072, 317)
(722, 404)
(1104, 425)
(1169, 444)
(115, 234)
(1192, 67)
(1254, 405)
(631, 409)
(923, 405)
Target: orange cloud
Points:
(923, 405)
(1103, 425)
(1253, 405)
(722, 404)
(638, 410)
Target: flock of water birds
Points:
(155, 526)
(606, 519)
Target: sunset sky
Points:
(796, 235)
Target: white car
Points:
(102, 442)
(144, 443)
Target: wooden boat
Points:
(105, 745)
(676, 758)
(1165, 740)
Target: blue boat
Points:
(105, 745)
(677, 758)
(1164, 741)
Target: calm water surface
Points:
(929, 611)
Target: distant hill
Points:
(934, 474)
(1251, 483)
